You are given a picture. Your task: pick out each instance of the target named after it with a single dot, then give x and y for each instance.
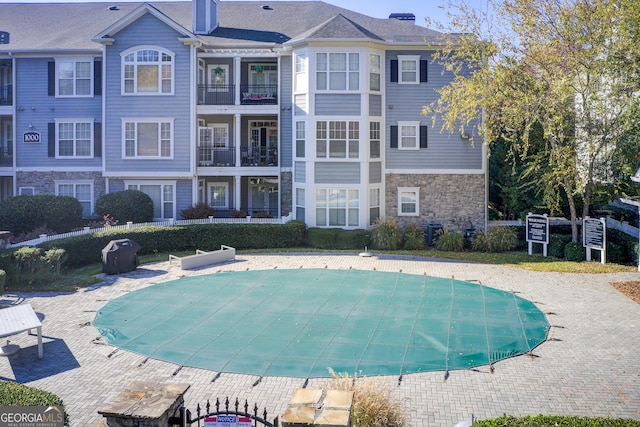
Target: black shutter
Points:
(97, 139)
(423, 136)
(52, 140)
(52, 78)
(394, 70)
(423, 71)
(97, 78)
(394, 137)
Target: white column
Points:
(236, 138)
(236, 78)
(237, 189)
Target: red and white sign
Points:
(227, 421)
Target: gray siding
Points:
(39, 109)
(375, 173)
(445, 151)
(300, 172)
(337, 104)
(337, 173)
(285, 129)
(148, 31)
(184, 195)
(375, 105)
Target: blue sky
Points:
(375, 8)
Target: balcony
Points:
(249, 94)
(259, 157)
(6, 156)
(214, 156)
(6, 94)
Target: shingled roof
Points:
(72, 26)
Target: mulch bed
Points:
(631, 289)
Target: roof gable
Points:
(339, 27)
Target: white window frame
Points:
(300, 138)
(75, 122)
(375, 137)
(160, 64)
(137, 122)
(74, 61)
(224, 185)
(375, 197)
(135, 184)
(214, 86)
(415, 59)
(402, 191)
(26, 191)
(75, 184)
(329, 138)
(301, 65)
(375, 65)
(403, 139)
(331, 72)
(301, 203)
(338, 199)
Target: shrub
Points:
(557, 242)
(3, 280)
(27, 258)
(480, 242)
(373, 405)
(413, 237)
(199, 211)
(261, 214)
(14, 394)
(22, 214)
(124, 206)
(502, 239)
(574, 251)
(337, 238)
(235, 213)
(55, 257)
(386, 234)
(450, 241)
(555, 420)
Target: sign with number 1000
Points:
(227, 421)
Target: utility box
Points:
(431, 231)
(120, 256)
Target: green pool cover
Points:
(299, 323)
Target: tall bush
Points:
(22, 214)
(413, 237)
(386, 234)
(127, 205)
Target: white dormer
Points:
(205, 16)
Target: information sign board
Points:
(594, 236)
(537, 231)
(227, 421)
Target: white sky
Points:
(374, 8)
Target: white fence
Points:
(611, 223)
(167, 223)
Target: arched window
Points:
(147, 71)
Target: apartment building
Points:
(269, 108)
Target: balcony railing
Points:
(259, 94)
(6, 94)
(6, 156)
(249, 94)
(261, 157)
(216, 94)
(214, 156)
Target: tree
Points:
(569, 66)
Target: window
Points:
(301, 73)
(408, 135)
(337, 139)
(214, 136)
(218, 195)
(26, 191)
(74, 138)
(81, 190)
(338, 71)
(300, 204)
(409, 68)
(74, 77)
(148, 139)
(374, 140)
(337, 208)
(218, 77)
(408, 201)
(374, 204)
(147, 72)
(162, 194)
(374, 72)
(300, 139)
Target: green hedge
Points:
(555, 421)
(14, 394)
(127, 205)
(23, 214)
(337, 238)
(87, 249)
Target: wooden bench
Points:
(202, 258)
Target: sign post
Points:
(594, 236)
(537, 231)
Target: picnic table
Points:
(20, 318)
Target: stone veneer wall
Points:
(455, 201)
(45, 182)
(286, 192)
